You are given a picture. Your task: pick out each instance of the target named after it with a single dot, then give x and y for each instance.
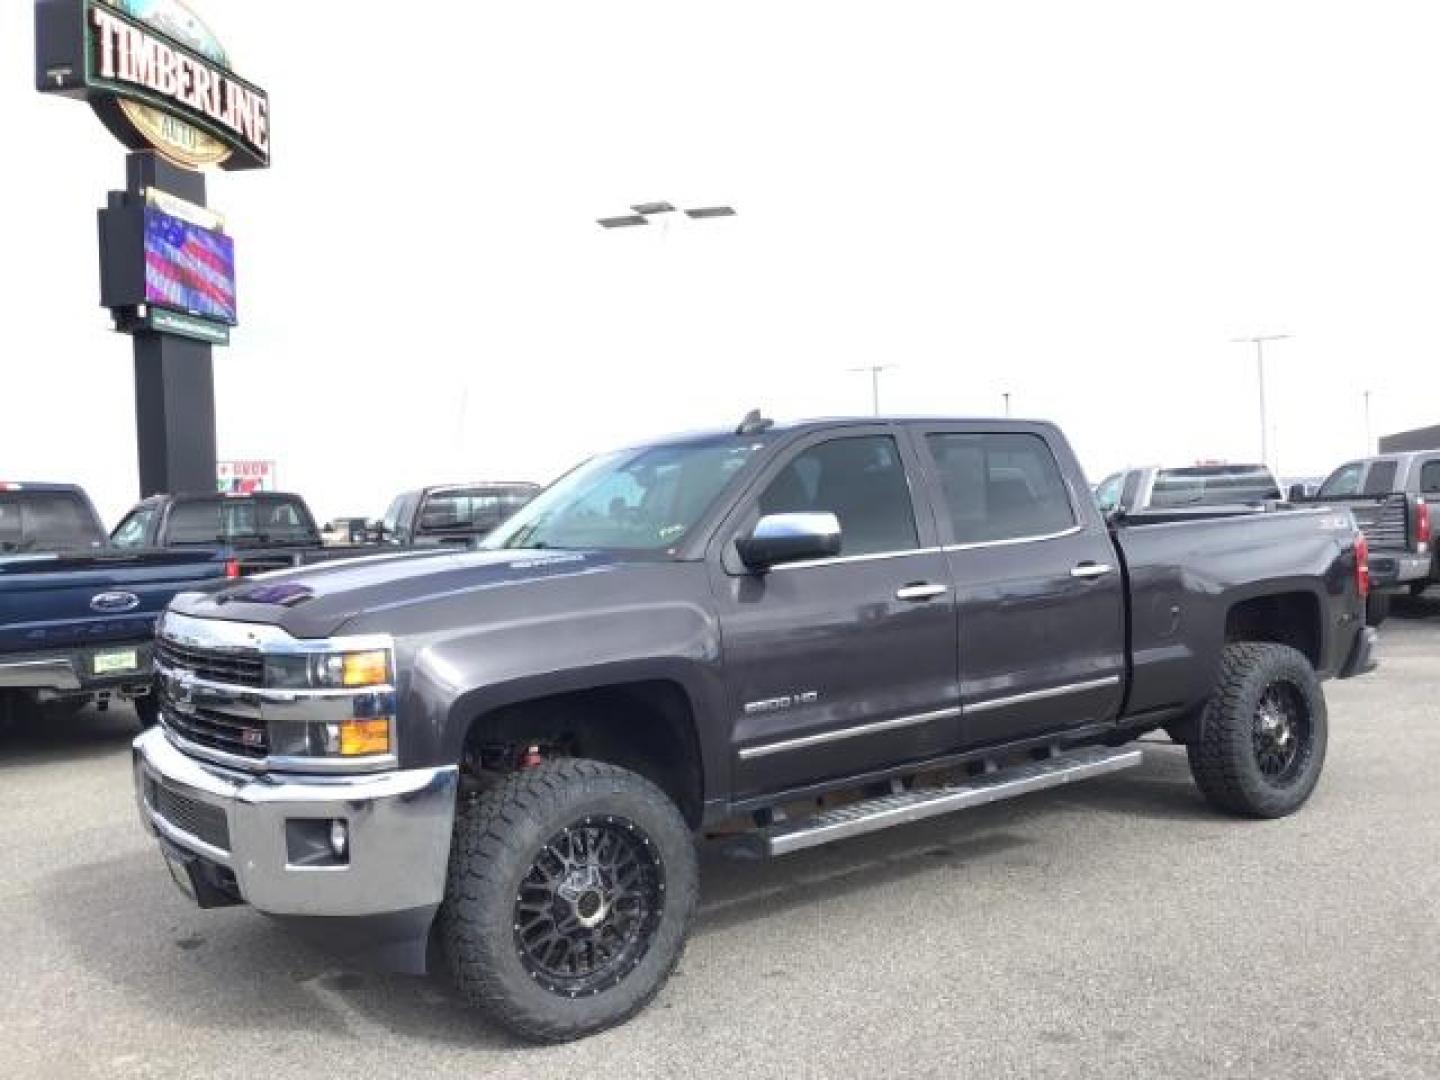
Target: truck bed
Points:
(1184, 576)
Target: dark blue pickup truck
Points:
(77, 615)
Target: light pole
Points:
(1259, 341)
(874, 370)
(1367, 422)
(1006, 396)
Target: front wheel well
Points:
(1291, 619)
(646, 727)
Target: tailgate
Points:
(1385, 522)
(57, 601)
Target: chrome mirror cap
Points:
(786, 538)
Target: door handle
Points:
(920, 590)
(1090, 570)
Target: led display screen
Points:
(189, 268)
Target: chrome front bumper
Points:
(399, 826)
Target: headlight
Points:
(351, 737)
(332, 725)
(327, 671)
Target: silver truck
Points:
(1394, 498)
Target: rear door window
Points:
(1001, 486)
(1380, 480)
(1430, 477)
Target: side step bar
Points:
(901, 808)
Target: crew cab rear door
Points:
(840, 665)
(1038, 589)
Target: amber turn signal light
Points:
(366, 668)
(358, 737)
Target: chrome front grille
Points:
(216, 728)
(208, 696)
(214, 704)
(236, 667)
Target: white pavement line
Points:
(354, 1021)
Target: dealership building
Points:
(1426, 438)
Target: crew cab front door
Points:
(841, 665)
(1039, 592)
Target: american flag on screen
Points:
(189, 268)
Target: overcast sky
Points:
(1080, 204)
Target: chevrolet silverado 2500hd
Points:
(806, 632)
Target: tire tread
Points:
(486, 849)
(1217, 760)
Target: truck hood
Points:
(319, 601)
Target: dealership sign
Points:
(244, 477)
(156, 76)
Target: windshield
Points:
(634, 500)
(45, 521)
(268, 520)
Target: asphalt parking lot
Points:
(1113, 929)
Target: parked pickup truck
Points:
(1395, 499)
(790, 635)
(1180, 492)
(452, 513)
(76, 617)
(262, 530)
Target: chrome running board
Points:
(903, 807)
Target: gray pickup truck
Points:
(1184, 491)
(1395, 499)
(786, 634)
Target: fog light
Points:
(339, 837)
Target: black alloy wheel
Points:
(570, 892)
(1282, 733)
(589, 906)
(1263, 734)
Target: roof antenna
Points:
(754, 424)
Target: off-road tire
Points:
(499, 835)
(1377, 608)
(1224, 760)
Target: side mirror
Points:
(787, 538)
(1297, 493)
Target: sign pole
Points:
(174, 376)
